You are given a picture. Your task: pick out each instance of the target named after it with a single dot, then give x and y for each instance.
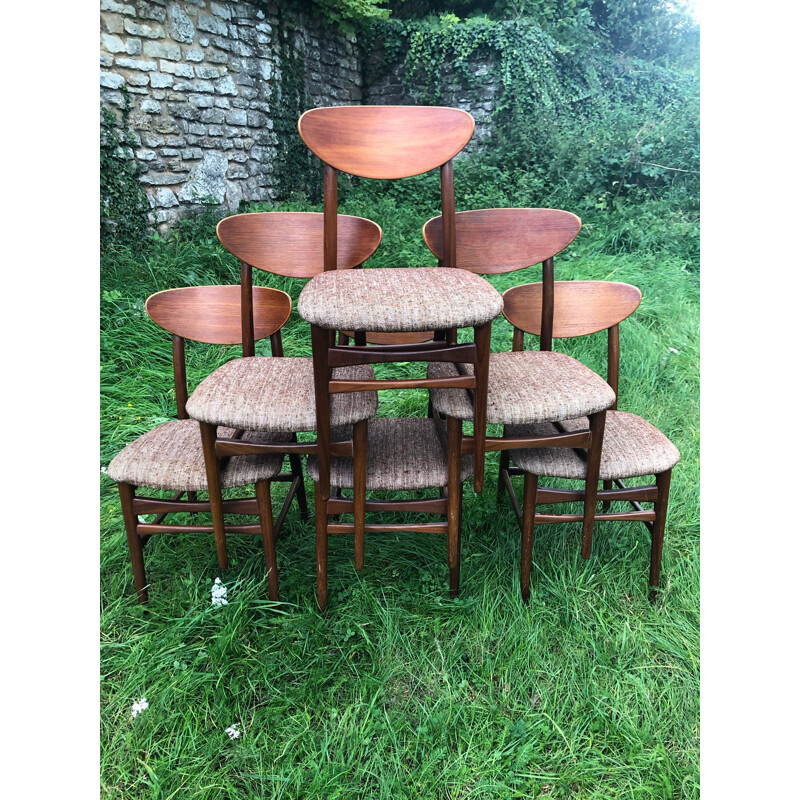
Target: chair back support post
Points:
(276, 344)
(248, 332)
(448, 215)
(548, 305)
(330, 210)
(612, 375)
(179, 372)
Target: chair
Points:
(399, 307)
(170, 456)
(632, 447)
(275, 395)
(525, 387)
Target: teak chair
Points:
(392, 142)
(170, 456)
(275, 395)
(632, 447)
(525, 387)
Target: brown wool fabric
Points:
(526, 387)
(276, 394)
(403, 454)
(631, 447)
(170, 456)
(392, 300)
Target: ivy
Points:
(123, 201)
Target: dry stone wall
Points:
(201, 75)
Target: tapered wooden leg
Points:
(297, 472)
(208, 433)
(607, 485)
(453, 502)
(531, 486)
(505, 462)
(597, 423)
(659, 525)
(359, 489)
(268, 536)
(483, 335)
(321, 523)
(126, 494)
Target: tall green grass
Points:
(398, 691)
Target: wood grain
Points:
(212, 314)
(494, 240)
(580, 307)
(385, 142)
(291, 242)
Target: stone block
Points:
(206, 71)
(133, 63)
(216, 130)
(162, 50)
(215, 115)
(151, 140)
(165, 198)
(236, 116)
(143, 29)
(160, 81)
(138, 79)
(180, 25)
(145, 155)
(110, 80)
(205, 22)
(191, 154)
(255, 119)
(161, 179)
(112, 23)
(220, 11)
(193, 55)
(106, 60)
(120, 8)
(222, 102)
(215, 56)
(201, 100)
(150, 106)
(197, 129)
(226, 86)
(133, 47)
(181, 70)
(146, 10)
(137, 89)
(207, 180)
(112, 43)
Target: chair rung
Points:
(423, 527)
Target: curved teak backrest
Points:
(494, 240)
(213, 314)
(579, 308)
(385, 142)
(291, 242)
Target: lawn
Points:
(398, 691)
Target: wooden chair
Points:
(525, 387)
(632, 447)
(170, 456)
(275, 395)
(392, 142)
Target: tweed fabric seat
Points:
(631, 447)
(527, 386)
(398, 300)
(170, 457)
(276, 394)
(403, 454)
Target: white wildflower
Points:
(142, 519)
(673, 350)
(138, 708)
(233, 732)
(104, 470)
(218, 593)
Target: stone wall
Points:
(200, 75)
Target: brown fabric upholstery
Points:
(405, 299)
(631, 447)
(526, 387)
(276, 394)
(402, 454)
(170, 456)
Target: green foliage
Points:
(123, 202)
(350, 14)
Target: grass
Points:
(398, 691)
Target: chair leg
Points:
(264, 501)
(300, 494)
(659, 525)
(208, 433)
(321, 524)
(607, 486)
(597, 424)
(505, 463)
(531, 487)
(126, 495)
(454, 502)
(359, 489)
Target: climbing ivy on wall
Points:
(123, 202)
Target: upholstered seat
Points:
(631, 447)
(276, 394)
(525, 387)
(170, 457)
(398, 300)
(403, 454)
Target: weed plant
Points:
(398, 691)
